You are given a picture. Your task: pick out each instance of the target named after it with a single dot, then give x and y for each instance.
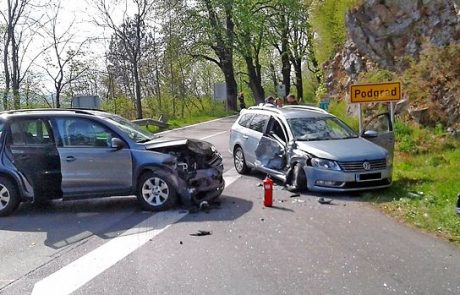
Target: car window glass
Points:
(79, 132)
(277, 131)
(30, 132)
(323, 128)
(258, 122)
(245, 119)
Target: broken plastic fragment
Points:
(324, 201)
(201, 233)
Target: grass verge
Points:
(426, 181)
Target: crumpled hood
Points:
(353, 149)
(195, 145)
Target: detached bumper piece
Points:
(206, 185)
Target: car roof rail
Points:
(266, 108)
(306, 107)
(76, 110)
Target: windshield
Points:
(132, 130)
(322, 128)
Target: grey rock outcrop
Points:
(381, 33)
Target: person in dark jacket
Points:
(241, 100)
(291, 100)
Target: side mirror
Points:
(370, 134)
(117, 143)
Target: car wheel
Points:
(299, 180)
(239, 161)
(156, 192)
(9, 197)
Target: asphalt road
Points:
(299, 246)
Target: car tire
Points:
(239, 161)
(9, 197)
(299, 180)
(156, 191)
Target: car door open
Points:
(379, 130)
(271, 150)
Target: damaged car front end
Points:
(198, 168)
(308, 148)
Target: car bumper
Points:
(322, 180)
(205, 185)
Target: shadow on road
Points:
(70, 222)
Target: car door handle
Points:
(245, 136)
(70, 158)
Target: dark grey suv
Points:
(70, 154)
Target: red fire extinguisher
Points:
(268, 191)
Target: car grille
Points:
(358, 165)
(216, 160)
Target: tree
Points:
(300, 44)
(61, 66)
(250, 36)
(211, 29)
(21, 28)
(130, 38)
(279, 22)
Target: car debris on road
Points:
(202, 233)
(324, 201)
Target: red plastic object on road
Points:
(268, 191)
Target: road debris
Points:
(324, 201)
(180, 242)
(262, 219)
(202, 233)
(298, 201)
(295, 196)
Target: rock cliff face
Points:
(382, 32)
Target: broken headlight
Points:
(389, 160)
(325, 164)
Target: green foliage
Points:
(376, 76)
(425, 180)
(431, 77)
(328, 22)
(339, 109)
(206, 110)
(122, 106)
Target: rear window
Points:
(258, 122)
(25, 132)
(245, 119)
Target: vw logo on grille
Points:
(367, 166)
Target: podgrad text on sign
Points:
(375, 92)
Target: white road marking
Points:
(212, 135)
(79, 272)
(231, 176)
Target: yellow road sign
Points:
(375, 92)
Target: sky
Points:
(81, 14)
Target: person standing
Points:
(291, 100)
(241, 100)
(278, 102)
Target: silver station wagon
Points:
(309, 148)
